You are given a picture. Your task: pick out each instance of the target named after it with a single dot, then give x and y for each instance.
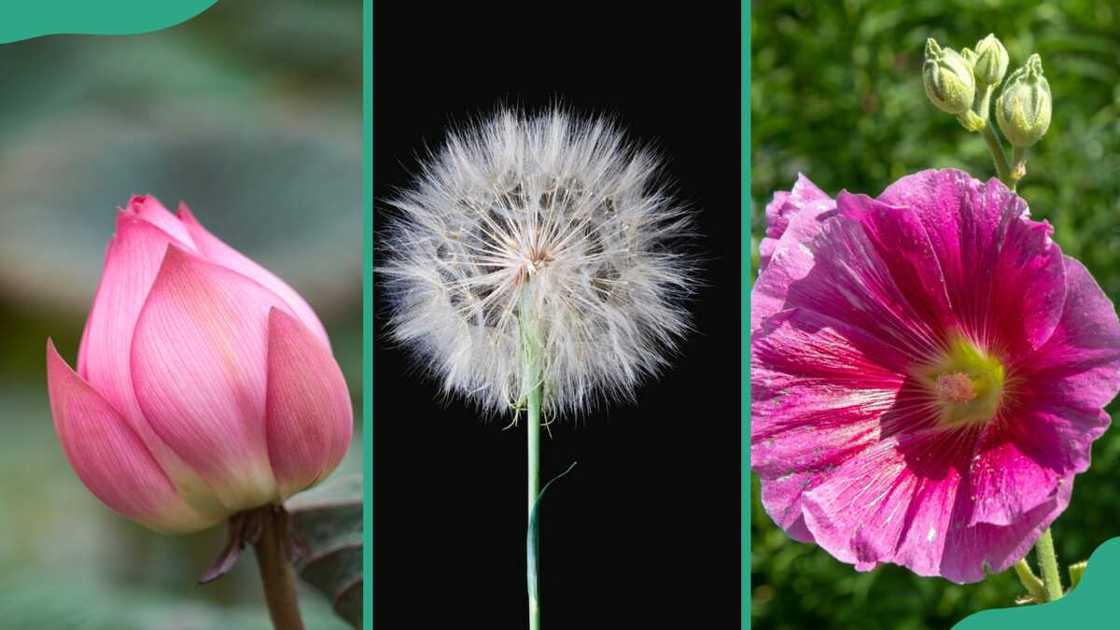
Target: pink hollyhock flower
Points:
(205, 385)
(928, 373)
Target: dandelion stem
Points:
(1048, 561)
(996, 149)
(276, 572)
(534, 433)
(531, 365)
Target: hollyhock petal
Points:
(819, 396)
(971, 552)
(110, 458)
(1003, 273)
(1080, 362)
(813, 404)
(199, 367)
(804, 197)
(893, 503)
(218, 252)
(1005, 483)
(828, 264)
(901, 243)
(781, 498)
(309, 414)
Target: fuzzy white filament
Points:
(549, 213)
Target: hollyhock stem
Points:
(996, 149)
(1030, 581)
(276, 572)
(1048, 561)
(1018, 165)
(982, 105)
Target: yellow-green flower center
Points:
(966, 384)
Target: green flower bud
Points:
(1076, 572)
(990, 64)
(948, 79)
(969, 58)
(1023, 108)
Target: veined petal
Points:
(132, 260)
(1003, 274)
(821, 394)
(1080, 362)
(816, 404)
(309, 414)
(804, 197)
(768, 295)
(218, 252)
(894, 503)
(110, 458)
(828, 264)
(901, 242)
(969, 551)
(781, 498)
(199, 366)
(1005, 483)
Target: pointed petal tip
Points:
(183, 211)
(139, 203)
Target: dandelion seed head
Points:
(561, 216)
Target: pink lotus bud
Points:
(205, 384)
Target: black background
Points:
(645, 530)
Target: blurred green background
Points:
(836, 93)
(251, 113)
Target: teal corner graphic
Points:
(24, 19)
(1090, 605)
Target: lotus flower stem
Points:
(276, 571)
(996, 149)
(1048, 561)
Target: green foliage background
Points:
(836, 93)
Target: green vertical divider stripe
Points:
(24, 19)
(367, 312)
(744, 314)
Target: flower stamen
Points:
(966, 383)
(955, 387)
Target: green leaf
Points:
(532, 538)
(326, 523)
